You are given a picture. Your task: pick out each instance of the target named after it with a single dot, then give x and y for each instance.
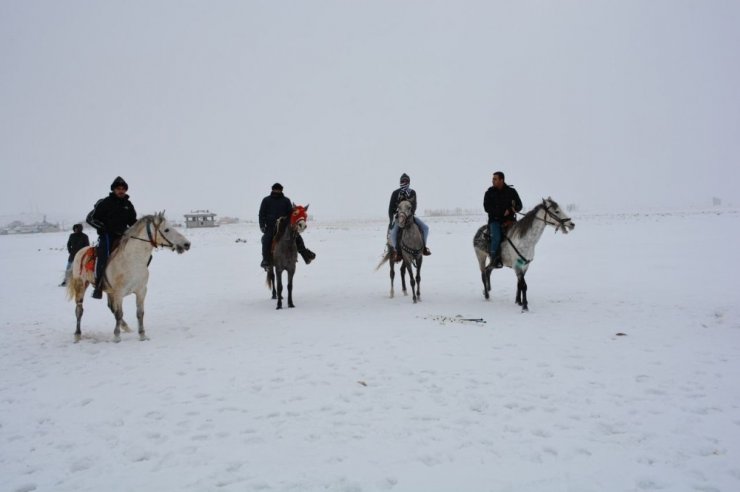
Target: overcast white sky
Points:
(607, 104)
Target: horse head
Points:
(405, 213)
(298, 218)
(162, 234)
(554, 216)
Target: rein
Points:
(152, 238)
(558, 221)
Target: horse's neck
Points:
(533, 235)
(136, 248)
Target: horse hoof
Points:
(291, 305)
(116, 339)
(279, 307)
(77, 338)
(143, 338)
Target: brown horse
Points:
(285, 253)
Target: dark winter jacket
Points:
(397, 197)
(497, 202)
(274, 206)
(76, 241)
(112, 215)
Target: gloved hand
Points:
(263, 229)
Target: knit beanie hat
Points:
(118, 182)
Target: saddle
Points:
(89, 258)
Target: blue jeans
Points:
(104, 243)
(424, 231)
(496, 235)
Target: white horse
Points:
(517, 244)
(127, 270)
(411, 245)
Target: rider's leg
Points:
(266, 245)
(307, 255)
(495, 228)
(424, 234)
(103, 251)
(394, 241)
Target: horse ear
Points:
(306, 207)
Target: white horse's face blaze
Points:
(171, 237)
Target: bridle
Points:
(558, 221)
(153, 235)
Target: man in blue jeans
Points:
(501, 202)
(111, 216)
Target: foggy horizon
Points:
(616, 105)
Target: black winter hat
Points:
(277, 187)
(119, 181)
(405, 178)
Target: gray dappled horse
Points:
(517, 245)
(410, 245)
(127, 271)
(285, 253)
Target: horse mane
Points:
(134, 228)
(281, 227)
(523, 226)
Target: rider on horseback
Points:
(110, 216)
(501, 202)
(399, 195)
(274, 206)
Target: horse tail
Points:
(270, 279)
(75, 287)
(384, 260)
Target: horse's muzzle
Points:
(181, 248)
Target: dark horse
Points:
(285, 253)
(410, 245)
(517, 246)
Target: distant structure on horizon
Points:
(18, 227)
(200, 218)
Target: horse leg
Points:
(140, 296)
(291, 272)
(279, 280)
(393, 275)
(80, 288)
(403, 277)
(412, 281)
(272, 276)
(521, 292)
(418, 278)
(116, 307)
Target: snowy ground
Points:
(354, 391)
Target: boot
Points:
(497, 262)
(308, 255)
(426, 251)
(265, 264)
(98, 291)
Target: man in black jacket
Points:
(111, 216)
(77, 240)
(274, 206)
(501, 202)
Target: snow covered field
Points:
(354, 391)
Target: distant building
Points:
(200, 218)
(18, 227)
